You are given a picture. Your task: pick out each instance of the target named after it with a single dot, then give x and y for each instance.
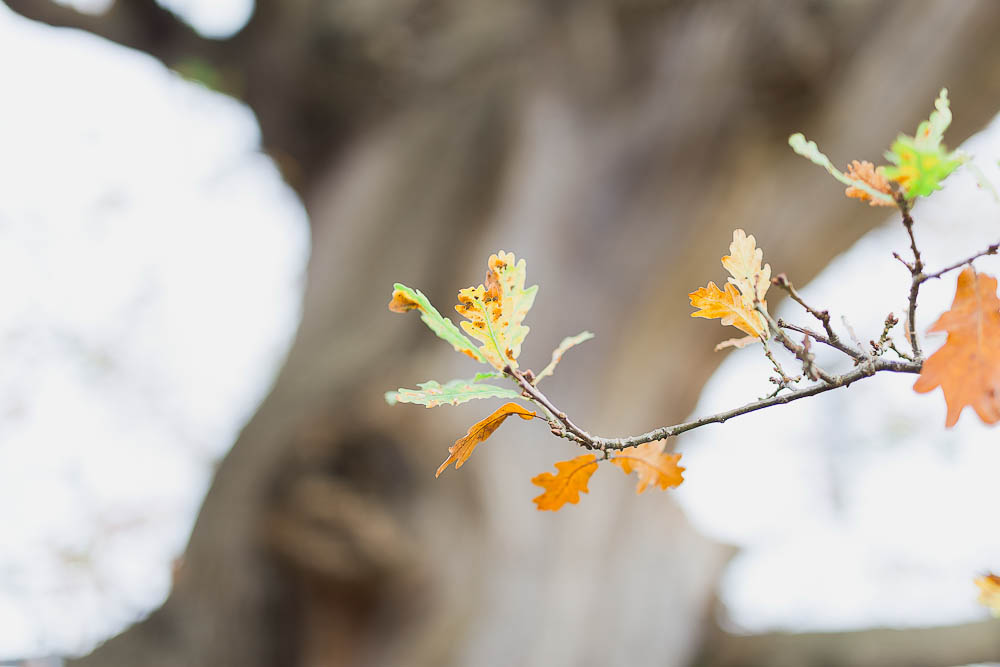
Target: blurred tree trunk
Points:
(615, 145)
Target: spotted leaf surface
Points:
(432, 394)
(495, 310)
(405, 299)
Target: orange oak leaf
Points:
(728, 305)
(460, 452)
(567, 484)
(653, 466)
(736, 306)
(989, 592)
(967, 367)
(867, 173)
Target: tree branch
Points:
(571, 431)
(831, 339)
(991, 250)
(916, 273)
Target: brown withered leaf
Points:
(728, 305)
(967, 367)
(567, 484)
(653, 466)
(867, 173)
(460, 452)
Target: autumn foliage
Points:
(966, 367)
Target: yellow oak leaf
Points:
(967, 367)
(460, 452)
(744, 265)
(495, 310)
(653, 466)
(989, 592)
(728, 305)
(567, 484)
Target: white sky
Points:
(151, 262)
(211, 18)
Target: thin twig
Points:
(535, 394)
(992, 250)
(866, 369)
(801, 352)
(820, 338)
(879, 347)
(916, 276)
(901, 355)
(832, 339)
(783, 378)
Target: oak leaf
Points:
(989, 592)
(736, 306)
(654, 467)
(738, 343)
(810, 151)
(557, 354)
(967, 367)
(866, 172)
(495, 310)
(744, 265)
(460, 452)
(431, 394)
(567, 484)
(405, 299)
(921, 162)
(727, 305)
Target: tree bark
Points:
(615, 145)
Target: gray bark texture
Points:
(613, 144)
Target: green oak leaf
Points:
(405, 299)
(557, 354)
(921, 162)
(810, 151)
(454, 392)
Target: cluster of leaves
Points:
(918, 163)
(494, 315)
(966, 367)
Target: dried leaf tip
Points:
(401, 302)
